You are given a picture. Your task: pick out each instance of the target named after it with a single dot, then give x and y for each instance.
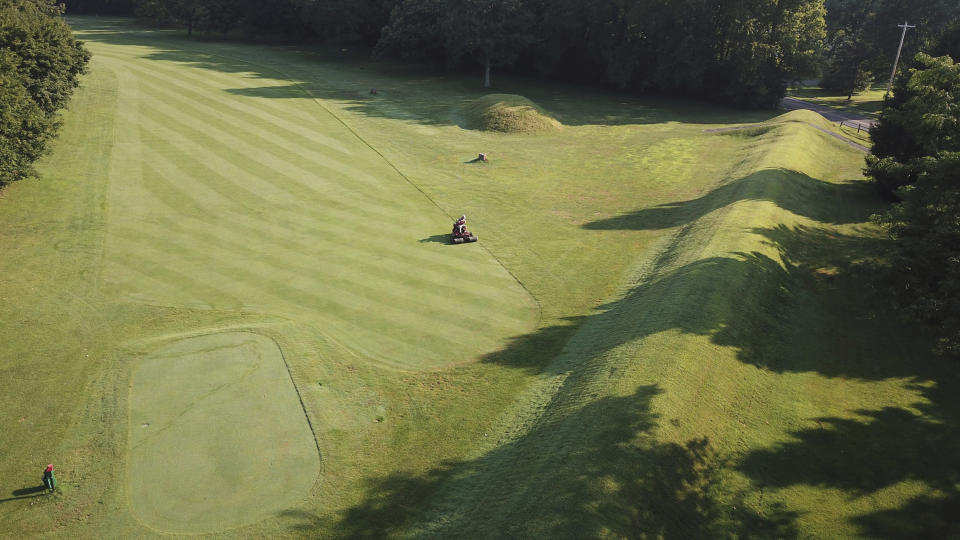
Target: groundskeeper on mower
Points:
(460, 233)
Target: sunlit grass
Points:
(661, 332)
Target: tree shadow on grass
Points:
(583, 473)
(851, 202)
(305, 522)
(591, 466)
(812, 311)
(874, 452)
(854, 333)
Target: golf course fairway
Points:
(269, 193)
(229, 307)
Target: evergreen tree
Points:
(918, 155)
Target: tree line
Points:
(740, 52)
(916, 162)
(40, 63)
(862, 37)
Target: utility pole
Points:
(905, 26)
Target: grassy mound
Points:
(509, 113)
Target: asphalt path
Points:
(833, 115)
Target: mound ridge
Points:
(509, 113)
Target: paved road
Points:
(833, 115)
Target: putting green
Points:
(233, 191)
(218, 437)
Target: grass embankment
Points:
(685, 406)
(701, 360)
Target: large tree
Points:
(40, 63)
(414, 31)
(848, 68)
(921, 119)
(917, 157)
(493, 32)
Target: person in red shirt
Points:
(49, 480)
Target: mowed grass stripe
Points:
(164, 270)
(266, 162)
(137, 284)
(293, 129)
(354, 268)
(298, 234)
(264, 206)
(346, 259)
(211, 78)
(187, 96)
(346, 235)
(402, 325)
(288, 149)
(323, 273)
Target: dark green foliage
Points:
(24, 128)
(40, 63)
(738, 52)
(863, 34)
(341, 21)
(921, 119)
(927, 227)
(918, 154)
(414, 31)
(949, 43)
(492, 32)
(847, 68)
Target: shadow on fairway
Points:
(615, 479)
(583, 470)
(851, 202)
(26, 493)
(877, 448)
(436, 239)
(867, 455)
(405, 92)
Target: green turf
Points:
(218, 437)
(661, 332)
(277, 207)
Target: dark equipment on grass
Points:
(460, 233)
